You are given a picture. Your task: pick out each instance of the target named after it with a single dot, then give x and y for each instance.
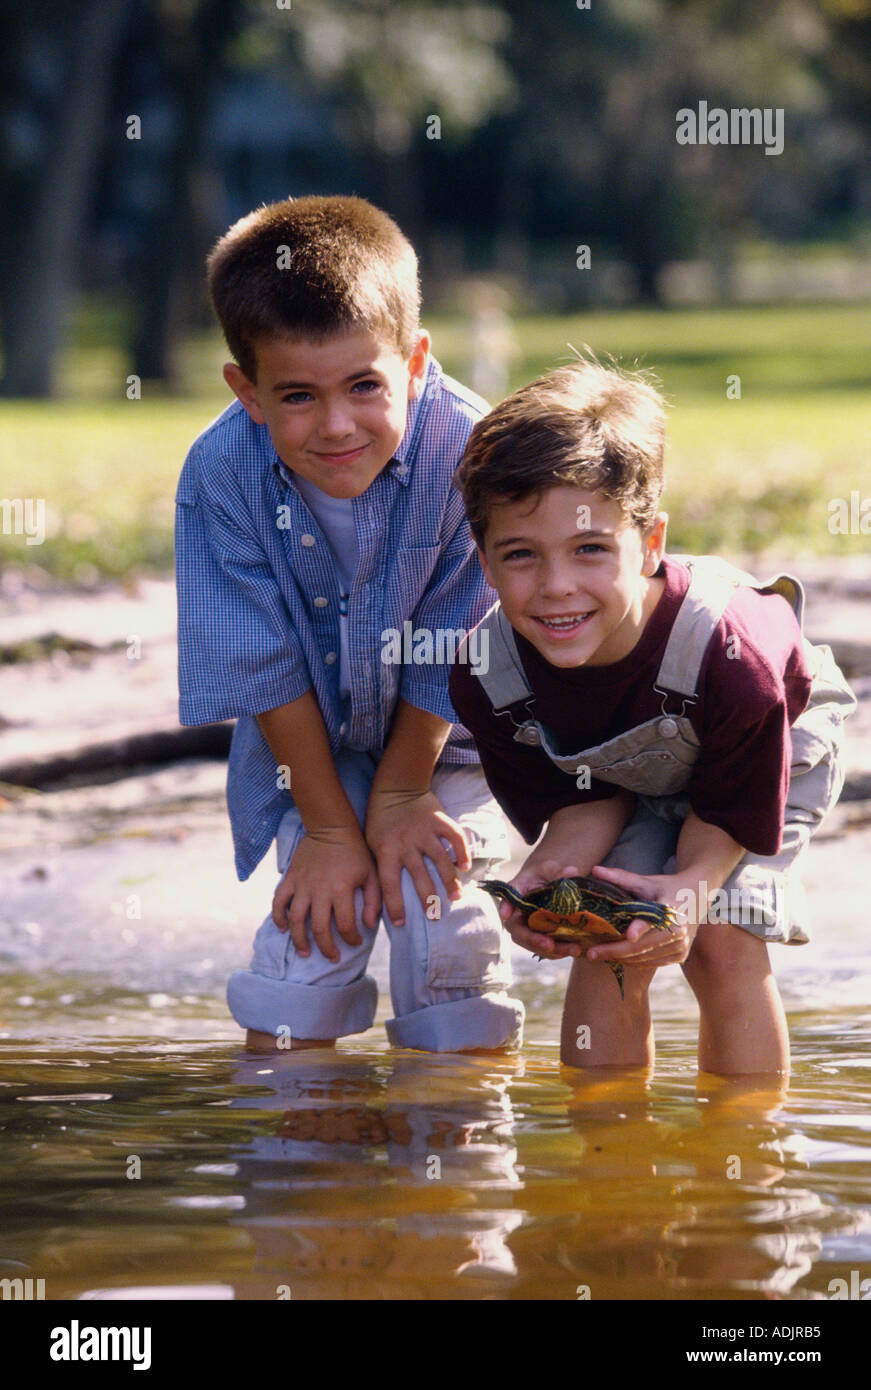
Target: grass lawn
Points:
(744, 475)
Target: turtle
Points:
(587, 911)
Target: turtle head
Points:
(497, 889)
(563, 897)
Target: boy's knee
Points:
(455, 944)
(595, 979)
(465, 946)
(723, 955)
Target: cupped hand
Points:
(642, 943)
(535, 874)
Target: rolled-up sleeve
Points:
(238, 653)
(456, 599)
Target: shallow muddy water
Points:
(141, 1148)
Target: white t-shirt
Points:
(335, 516)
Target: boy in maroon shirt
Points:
(664, 717)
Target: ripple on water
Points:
(371, 1173)
(143, 1149)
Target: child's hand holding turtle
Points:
(591, 913)
(531, 878)
(645, 943)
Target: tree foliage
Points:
(512, 130)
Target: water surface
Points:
(142, 1149)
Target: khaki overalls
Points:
(655, 760)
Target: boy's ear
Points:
(245, 390)
(654, 545)
(417, 365)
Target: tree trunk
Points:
(645, 239)
(41, 284)
(193, 58)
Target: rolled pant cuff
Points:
(309, 1011)
(486, 1020)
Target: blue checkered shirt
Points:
(258, 595)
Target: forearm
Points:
(584, 834)
(413, 748)
(298, 740)
(405, 820)
(705, 855)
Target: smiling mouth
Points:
(346, 456)
(566, 624)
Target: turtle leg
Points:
(617, 969)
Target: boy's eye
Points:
(362, 388)
(585, 547)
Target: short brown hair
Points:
(312, 267)
(595, 427)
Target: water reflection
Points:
(374, 1174)
(719, 1175)
(397, 1161)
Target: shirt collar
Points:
(399, 467)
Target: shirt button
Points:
(343, 728)
(306, 539)
(330, 658)
(668, 728)
(321, 602)
(402, 469)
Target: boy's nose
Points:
(336, 422)
(557, 580)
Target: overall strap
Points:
(505, 679)
(712, 584)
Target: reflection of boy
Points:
(312, 515)
(665, 718)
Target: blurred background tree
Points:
(500, 134)
(58, 62)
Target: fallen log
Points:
(118, 756)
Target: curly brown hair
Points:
(596, 427)
(311, 267)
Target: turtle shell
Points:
(582, 910)
(577, 910)
(585, 911)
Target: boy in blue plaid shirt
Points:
(324, 563)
